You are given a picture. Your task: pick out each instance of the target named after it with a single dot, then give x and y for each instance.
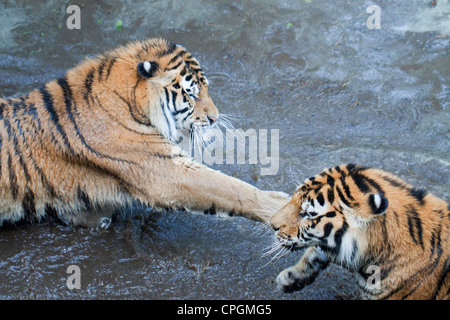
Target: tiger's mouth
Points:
(295, 247)
(292, 244)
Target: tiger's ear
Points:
(147, 68)
(378, 203)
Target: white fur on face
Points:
(189, 86)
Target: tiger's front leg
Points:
(304, 272)
(180, 182)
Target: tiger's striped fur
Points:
(103, 135)
(394, 237)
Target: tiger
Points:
(394, 237)
(104, 135)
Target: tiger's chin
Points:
(299, 246)
(296, 247)
(292, 245)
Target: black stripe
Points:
(320, 199)
(97, 101)
(17, 150)
(386, 242)
(48, 104)
(188, 115)
(84, 198)
(193, 62)
(100, 68)
(330, 195)
(28, 205)
(418, 194)
(342, 198)
(113, 60)
(167, 120)
(166, 93)
(172, 47)
(87, 85)
(330, 180)
(338, 234)
(442, 278)
(330, 214)
(419, 279)
(327, 228)
(346, 189)
(352, 168)
(52, 214)
(175, 57)
(394, 182)
(138, 81)
(48, 186)
(374, 185)
(145, 122)
(360, 182)
(427, 270)
(22, 162)
(415, 226)
(180, 111)
(68, 99)
(12, 178)
(31, 111)
(435, 241)
(174, 99)
(177, 65)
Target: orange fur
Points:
(366, 219)
(103, 135)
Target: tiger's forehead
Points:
(316, 203)
(171, 57)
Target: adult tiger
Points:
(103, 135)
(395, 238)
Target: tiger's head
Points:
(331, 210)
(165, 86)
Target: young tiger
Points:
(394, 237)
(103, 135)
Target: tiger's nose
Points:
(211, 120)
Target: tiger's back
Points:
(413, 239)
(43, 174)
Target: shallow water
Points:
(337, 92)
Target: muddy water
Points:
(337, 92)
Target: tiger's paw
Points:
(290, 280)
(278, 196)
(271, 202)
